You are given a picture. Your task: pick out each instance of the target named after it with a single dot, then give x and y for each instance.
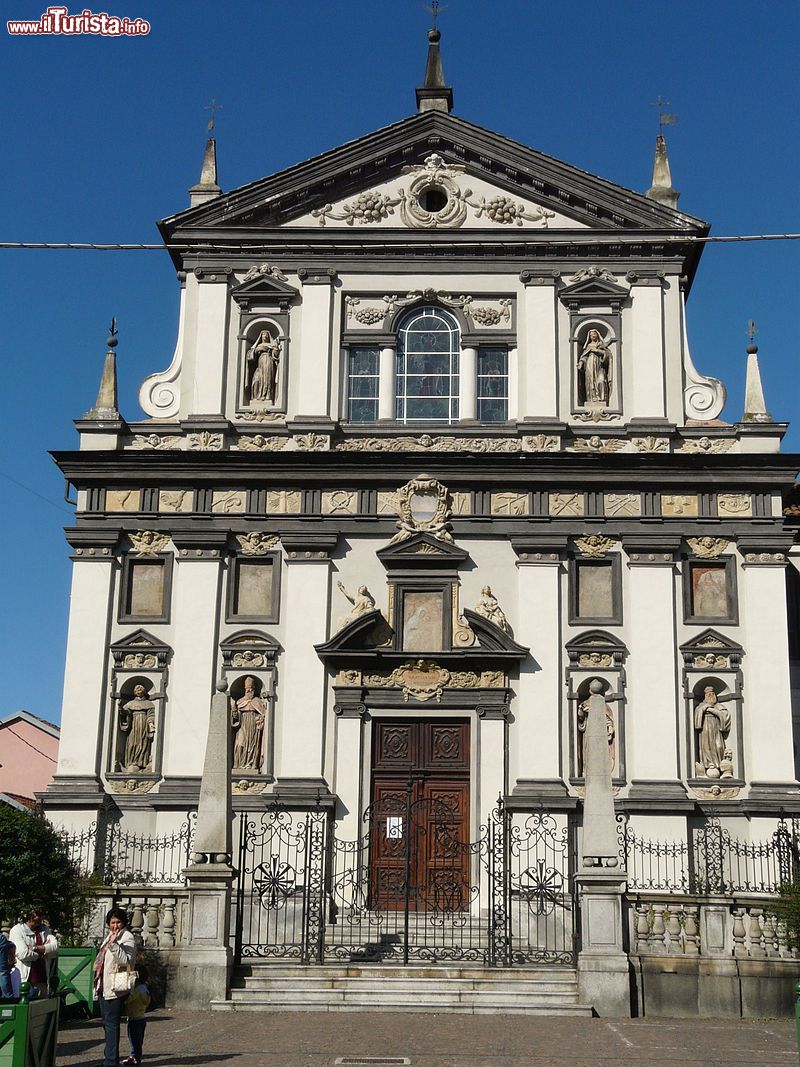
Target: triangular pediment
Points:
(264, 289)
(421, 550)
(711, 641)
(139, 651)
(489, 165)
(594, 289)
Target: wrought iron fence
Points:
(118, 857)
(407, 889)
(713, 862)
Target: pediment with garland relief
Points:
(436, 172)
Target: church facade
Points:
(431, 465)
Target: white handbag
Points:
(124, 981)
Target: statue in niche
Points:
(595, 370)
(583, 718)
(712, 722)
(489, 608)
(362, 601)
(248, 716)
(137, 720)
(263, 362)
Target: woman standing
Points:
(117, 953)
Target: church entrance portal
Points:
(418, 816)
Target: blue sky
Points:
(103, 136)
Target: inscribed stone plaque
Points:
(509, 503)
(340, 502)
(227, 502)
(709, 590)
(734, 504)
(146, 588)
(422, 622)
(122, 499)
(284, 501)
(566, 504)
(254, 588)
(672, 504)
(595, 591)
(178, 500)
(620, 505)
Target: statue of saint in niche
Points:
(489, 607)
(263, 361)
(583, 719)
(595, 370)
(248, 716)
(712, 722)
(137, 720)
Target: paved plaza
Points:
(289, 1039)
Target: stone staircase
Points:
(269, 986)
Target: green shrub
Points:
(36, 871)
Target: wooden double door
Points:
(419, 815)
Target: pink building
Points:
(28, 756)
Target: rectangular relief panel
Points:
(423, 621)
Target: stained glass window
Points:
(362, 384)
(492, 384)
(428, 346)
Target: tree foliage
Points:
(36, 871)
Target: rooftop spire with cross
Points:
(665, 118)
(212, 107)
(433, 94)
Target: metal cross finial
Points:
(212, 107)
(435, 9)
(664, 118)
(751, 330)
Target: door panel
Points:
(419, 815)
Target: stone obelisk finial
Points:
(207, 188)
(105, 407)
(755, 408)
(434, 95)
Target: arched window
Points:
(428, 346)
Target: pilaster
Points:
(351, 714)
(652, 727)
(643, 354)
(492, 757)
(313, 373)
(302, 703)
(468, 402)
(195, 661)
(536, 733)
(386, 382)
(86, 672)
(768, 742)
(538, 362)
(209, 341)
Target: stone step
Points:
(422, 987)
(474, 1004)
(547, 972)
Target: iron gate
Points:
(409, 889)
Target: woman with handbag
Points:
(114, 978)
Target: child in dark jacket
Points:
(136, 1004)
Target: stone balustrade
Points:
(157, 919)
(692, 926)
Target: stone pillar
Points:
(603, 978)
(538, 363)
(536, 732)
(80, 753)
(468, 387)
(767, 711)
(313, 372)
(208, 342)
(652, 712)
(350, 715)
(387, 368)
(301, 706)
(492, 757)
(196, 608)
(643, 352)
(207, 958)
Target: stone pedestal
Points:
(603, 969)
(206, 961)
